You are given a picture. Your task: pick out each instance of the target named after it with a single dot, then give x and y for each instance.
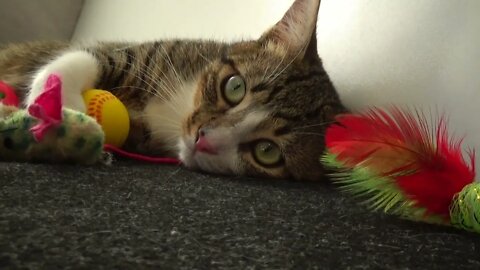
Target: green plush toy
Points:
(77, 139)
(46, 132)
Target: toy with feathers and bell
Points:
(400, 164)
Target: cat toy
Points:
(398, 163)
(110, 113)
(47, 132)
(7, 95)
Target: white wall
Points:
(151, 19)
(417, 52)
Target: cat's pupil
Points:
(265, 148)
(267, 153)
(234, 90)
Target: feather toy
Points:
(401, 164)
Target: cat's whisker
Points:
(152, 89)
(128, 87)
(169, 61)
(168, 92)
(268, 78)
(291, 62)
(265, 72)
(311, 133)
(142, 72)
(155, 92)
(166, 121)
(173, 134)
(315, 125)
(160, 117)
(209, 61)
(153, 76)
(156, 79)
(140, 89)
(278, 65)
(168, 138)
(170, 88)
(136, 76)
(124, 48)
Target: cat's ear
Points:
(297, 29)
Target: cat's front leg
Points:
(79, 70)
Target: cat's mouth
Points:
(191, 149)
(205, 156)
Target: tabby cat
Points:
(257, 108)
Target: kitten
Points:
(257, 108)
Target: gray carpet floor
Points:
(141, 216)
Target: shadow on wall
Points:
(26, 20)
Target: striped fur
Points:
(172, 88)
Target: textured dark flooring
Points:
(137, 216)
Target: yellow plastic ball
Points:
(110, 113)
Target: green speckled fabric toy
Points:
(77, 139)
(46, 132)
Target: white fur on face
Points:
(165, 114)
(226, 140)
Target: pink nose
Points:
(204, 146)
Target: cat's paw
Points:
(71, 93)
(74, 101)
(78, 71)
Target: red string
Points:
(140, 157)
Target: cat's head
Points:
(263, 107)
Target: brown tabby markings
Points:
(292, 88)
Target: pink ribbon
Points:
(47, 107)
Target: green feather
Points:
(465, 210)
(378, 192)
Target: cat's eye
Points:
(234, 90)
(267, 153)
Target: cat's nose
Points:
(203, 145)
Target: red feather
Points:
(427, 166)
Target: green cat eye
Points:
(267, 153)
(234, 90)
